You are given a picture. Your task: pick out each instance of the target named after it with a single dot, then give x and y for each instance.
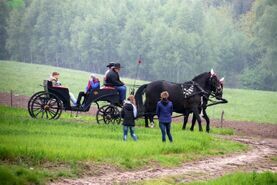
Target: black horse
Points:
(188, 97)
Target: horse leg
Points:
(185, 121)
(196, 114)
(146, 121)
(193, 122)
(207, 120)
(151, 118)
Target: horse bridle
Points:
(218, 89)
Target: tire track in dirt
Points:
(256, 159)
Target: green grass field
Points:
(244, 105)
(28, 143)
(25, 78)
(238, 178)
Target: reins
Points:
(214, 102)
(205, 94)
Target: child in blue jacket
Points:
(164, 112)
(93, 84)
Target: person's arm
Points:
(88, 87)
(94, 85)
(122, 113)
(135, 112)
(97, 85)
(120, 81)
(171, 108)
(115, 79)
(158, 110)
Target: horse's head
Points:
(216, 84)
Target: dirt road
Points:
(256, 159)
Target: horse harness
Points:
(192, 88)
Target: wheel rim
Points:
(112, 115)
(100, 115)
(46, 106)
(108, 114)
(30, 102)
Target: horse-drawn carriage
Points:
(51, 102)
(188, 97)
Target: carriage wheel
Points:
(31, 100)
(108, 114)
(46, 105)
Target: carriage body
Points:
(53, 100)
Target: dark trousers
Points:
(165, 129)
(81, 94)
(132, 132)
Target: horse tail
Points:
(138, 97)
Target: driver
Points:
(112, 79)
(109, 66)
(54, 78)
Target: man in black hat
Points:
(112, 79)
(109, 66)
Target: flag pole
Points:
(137, 70)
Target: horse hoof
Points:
(208, 131)
(200, 130)
(191, 130)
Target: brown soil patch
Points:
(14, 100)
(249, 128)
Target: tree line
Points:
(176, 39)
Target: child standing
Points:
(129, 113)
(164, 113)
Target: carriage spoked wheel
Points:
(31, 100)
(45, 106)
(108, 114)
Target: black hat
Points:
(111, 64)
(117, 65)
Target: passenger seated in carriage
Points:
(109, 66)
(54, 78)
(113, 80)
(93, 84)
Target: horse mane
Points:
(199, 76)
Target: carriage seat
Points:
(48, 84)
(61, 92)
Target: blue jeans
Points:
(122, 92)
(165, 129)
(132, 131)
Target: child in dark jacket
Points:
(129, 113)
(164, 113)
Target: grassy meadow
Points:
(27, 143)
(238, 178)
(26, 78)
(244, 105)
